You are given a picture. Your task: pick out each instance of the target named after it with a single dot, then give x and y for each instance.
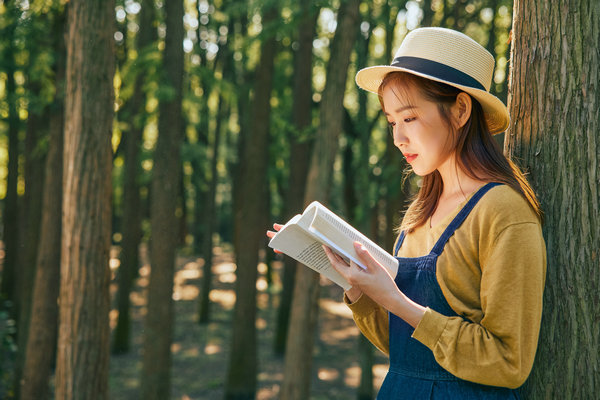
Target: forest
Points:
(146, 146)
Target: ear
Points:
(461, 110)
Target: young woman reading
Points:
(461, 317)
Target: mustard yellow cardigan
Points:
(492, 273)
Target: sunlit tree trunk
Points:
(242, 369)
(299, 158)
(83, 339)
(156, 375)
(554, 133)
(41, 341)
(132, 215)
(299, 347)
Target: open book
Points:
(302, 238)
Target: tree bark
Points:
(554, 102)
(242, 369)
(159, 322)
(299, 158)
(83, 339)
(299, 347)
(132, 216)
(41, 341)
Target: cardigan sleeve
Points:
(372, 320)
(498, 350)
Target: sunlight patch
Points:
(328, 374)
(336, 308)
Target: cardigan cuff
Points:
(430, 328)
(362, 306)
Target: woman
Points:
(460, 318)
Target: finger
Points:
(277, 227)
(334, 257)
(271, 234)
(364, 255)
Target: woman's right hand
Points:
(270, 234)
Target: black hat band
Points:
(437, 70)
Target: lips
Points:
(410, 157)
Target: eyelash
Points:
(406, 120)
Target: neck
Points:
(456, 182)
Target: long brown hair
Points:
(477, 153)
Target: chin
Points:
(421, 171)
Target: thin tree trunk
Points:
(204, 309)
(41, 343)
(156, 369)
(554, 102)
(132, 216)
(10, 218)
(363, 214)
(299, 159)
(242, 369)
(299, 347)
(83, 338)
(32, 201)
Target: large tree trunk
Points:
(156, 373)
(299, 347)
(554, 100)
(132, 215)
(41, 341)
(299, 158)
(83, 339)
(242, 369)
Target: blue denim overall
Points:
(414, 373)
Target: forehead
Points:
(400, 96)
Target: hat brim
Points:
(496, 113)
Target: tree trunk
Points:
(299, 158)
(554, 102)
(132, 216)
(299, 347)
(10, 216)
(83, 338)
(30, 227)
(242, 369)
(41, 341)
(159, 322)
(204, 309)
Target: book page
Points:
(341, 236)
(298, 244)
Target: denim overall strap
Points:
(460, 217)
(399, 244)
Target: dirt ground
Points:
(200, 352)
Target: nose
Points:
(399, 136)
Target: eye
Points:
(411, 119)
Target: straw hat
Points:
(447, 56)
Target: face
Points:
(419, 130)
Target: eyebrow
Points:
(398, 110)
